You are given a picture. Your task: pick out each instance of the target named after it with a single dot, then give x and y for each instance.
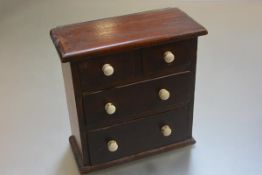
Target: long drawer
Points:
(138, 136)
(136, 100)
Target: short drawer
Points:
(108, 71)
(138, 136)
(135, 100)
(169, 58)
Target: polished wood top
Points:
(117, 34)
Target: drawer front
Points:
(104, 72)
(138, 136)
(129, 102)
(170, 58)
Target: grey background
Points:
(34, 124)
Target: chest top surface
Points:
(111, 35)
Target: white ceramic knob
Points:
(164, 94)
(169, 57)
(112, 146)
(110, 108)
(166, 130)
(108, 69)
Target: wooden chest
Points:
(129, 83)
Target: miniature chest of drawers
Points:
(129, 82)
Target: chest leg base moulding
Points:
(85, 168)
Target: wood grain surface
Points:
(118, 34)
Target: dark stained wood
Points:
(110, 35)
(135, 100)
(127, 67)
(154, 64)
(83, 168)
(136, 66)
(138, 136)
(134, 46)
(192, 86)
(71, 102)
(80, 112)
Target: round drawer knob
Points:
(166, 130)
(169, 57)
(108, 69)
(164, 94)
(110, 108)
(112, 146)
